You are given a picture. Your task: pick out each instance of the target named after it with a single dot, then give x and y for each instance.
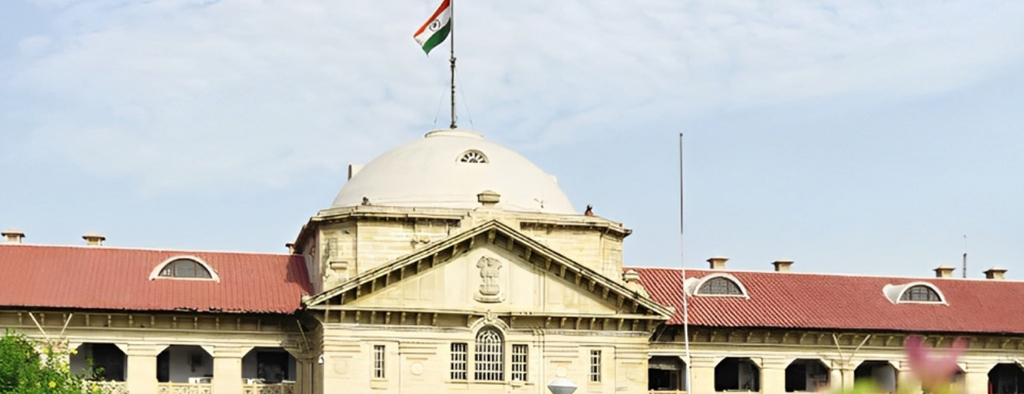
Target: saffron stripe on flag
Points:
(441, 9)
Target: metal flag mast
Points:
(682, 263)
(452, 59)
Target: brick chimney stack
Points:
(717, 262)
(995, 273)
(944, 271)
(14, 236)
(94, 239)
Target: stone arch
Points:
(737, 374)
(807, 374)
(108, 361)
(882, 372)
(666, 373)
(1006, 378)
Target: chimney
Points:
(718, 262)
(995, 273)
(291, 247)
(94, 239)
(783, 265)
(632, 279)
(944, 271)
(488, 198)
(13, 236)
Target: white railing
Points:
(269, 388)
(183, 388)
(106, 387)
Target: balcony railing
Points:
(184, 388)
(269, 388)
(106, 387)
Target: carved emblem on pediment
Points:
(490, 289)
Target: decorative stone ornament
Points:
(490, 290)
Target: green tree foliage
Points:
(29, 367)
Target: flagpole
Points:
(452, 58)
(682, 263)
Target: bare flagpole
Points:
(451, 40)
(682, 263)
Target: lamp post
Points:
(561, 386)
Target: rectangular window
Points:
(519, 364)
(459, 361)
(378, 361)
(595, 365)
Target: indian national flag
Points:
(433, 33)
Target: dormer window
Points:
(920, 293)
(720, 286)
(473, 156)
(914, 293)
(716, 285)
(184, 267)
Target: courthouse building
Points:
(453, 264)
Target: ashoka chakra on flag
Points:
(436, 29)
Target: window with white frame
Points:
(520, 353)
(378, 361)
(595, 365)
(489, 355)
(459, 364)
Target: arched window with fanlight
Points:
(184, 267)
(720, 286)
(489, 355)
(920, 293)
(473, 156)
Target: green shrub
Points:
(30, 367)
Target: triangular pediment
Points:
(489, 268)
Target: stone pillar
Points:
(227, 369)
(976, 377)
(773, 376)
(303, 375)
(142, 367)
(846, 377)
(906, 382)
(703, 373)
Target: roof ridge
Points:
(129, 248)
(831, 274)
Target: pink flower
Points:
(933, 370)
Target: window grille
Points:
(520, 354)
(920, 294)
(473, 156)
(185, 268)
(595, 365)
(378, 361)
(720, 286)
(489, 355)
(458, 361)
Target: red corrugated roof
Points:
(818, 301)
(118, 279)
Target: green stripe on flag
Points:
(437, 38)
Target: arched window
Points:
(920, 293)
(473, 156)
(720, 286)
(185, 268)
(489, 355)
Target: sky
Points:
(851, 137)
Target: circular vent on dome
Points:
(473, 156)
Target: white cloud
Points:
(237, 93)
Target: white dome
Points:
(443, 170)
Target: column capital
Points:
(704, 361)
(143, 349)
(775, 363)
(229, 351)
